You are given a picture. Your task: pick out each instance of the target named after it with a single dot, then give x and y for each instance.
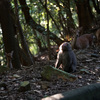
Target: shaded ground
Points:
(88, 72)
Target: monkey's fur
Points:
(66, 57)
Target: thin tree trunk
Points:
(48, 38)
(67, 23)
(62, 20)
(49, 13)
(70, 21)
(23, 42)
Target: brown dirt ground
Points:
(41, 88)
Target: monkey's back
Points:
(69, 61)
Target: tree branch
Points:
(36, 26)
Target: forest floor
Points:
(88, 72)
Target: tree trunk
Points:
(84, 17)
(23, 41)
(48, 35)
(49, 13)
(89, 92)
(23, 57)
(90, 9)
(8, 29)
(61, 19)
(70, 21)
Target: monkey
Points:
(66, 57)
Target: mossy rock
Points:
(51, 73)
(24, 86)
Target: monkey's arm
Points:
(59, 60)
(74, 62)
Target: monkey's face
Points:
(65, 47)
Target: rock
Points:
(95, 55)
(89, 60)
(24, 86)
(51, 73)
(4, 85)
(98, 81)
(16, 76)
(45, 84)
